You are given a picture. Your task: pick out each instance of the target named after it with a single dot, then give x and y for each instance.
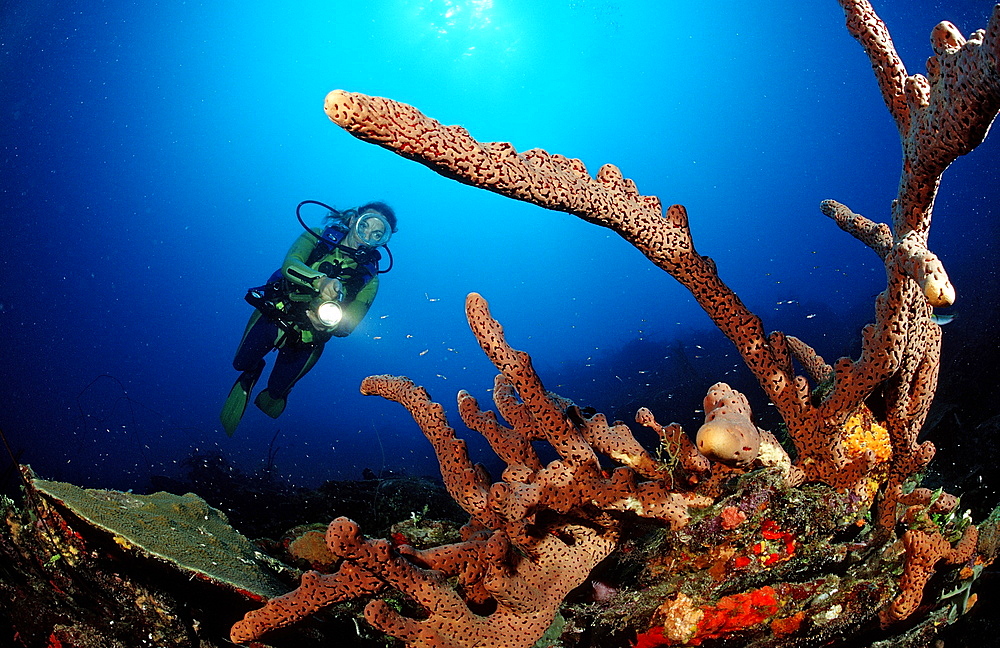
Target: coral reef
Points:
(742, 539)
(559, 516)
(182, 530)
(690, 534)
(108, 569)
(93, 568)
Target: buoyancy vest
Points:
(281, 300)
(354, 277)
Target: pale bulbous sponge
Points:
(728, 435)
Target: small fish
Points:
(942, 319)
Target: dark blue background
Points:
(153, 154)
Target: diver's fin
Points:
(271, 406)
(239, 396)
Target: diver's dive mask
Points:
(371, 228)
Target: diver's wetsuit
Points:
(299, 345)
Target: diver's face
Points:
(372, 228)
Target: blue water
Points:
(153, 154)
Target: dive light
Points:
(329, 313)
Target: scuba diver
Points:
(324, 288)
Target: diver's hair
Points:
(339, 219)
(342, 219)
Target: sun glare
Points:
(448, 16)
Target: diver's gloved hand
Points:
(329, 289)
(324, 311)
